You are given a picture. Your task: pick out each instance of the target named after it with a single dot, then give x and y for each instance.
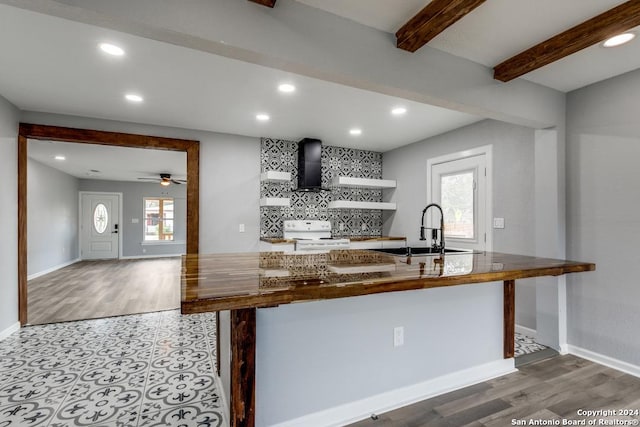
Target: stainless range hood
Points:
(309, 165)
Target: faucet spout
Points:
(434, 235)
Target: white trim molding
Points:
(52, 269)
(604, 360)
(394, 399)
(10, 330)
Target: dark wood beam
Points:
(243, 367)
(268, 3)
(509, 312)
(614, 21)
(436, 17)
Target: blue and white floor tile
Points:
(155, 369)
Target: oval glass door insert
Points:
(100, 218)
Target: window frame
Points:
(160, 220)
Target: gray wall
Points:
(513, 191)
(337, 352)
(229, 179)
(9, 117)
(603, 182)
(133, 194)
(52, 217)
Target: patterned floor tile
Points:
(526, 345)
(156, 369)
(207, 413)
(33, 413)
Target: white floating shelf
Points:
(350, 204)
(275, 201)
(347, 181)
(275, 176)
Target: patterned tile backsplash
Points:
(281, 155)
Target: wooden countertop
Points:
(267, 279)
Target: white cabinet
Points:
(276, 247)
(365, 244)
(386, 244)
(377, 244)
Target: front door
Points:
(99, 233)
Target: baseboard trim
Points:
(10, 330)
(150, 256)
(52, 269)
(388, 401)
(605, 360)
(527, 331)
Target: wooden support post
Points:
(243, 367)
(509, 318)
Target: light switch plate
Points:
(134, 220)
(498, 222)
(241, 228)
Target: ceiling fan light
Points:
(165, 182)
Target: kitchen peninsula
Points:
(245, 282)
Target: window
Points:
(100, 218)
(158, 219)
(458, 203)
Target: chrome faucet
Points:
(434, 231)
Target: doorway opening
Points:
(114, 139)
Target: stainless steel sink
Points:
(419, 251)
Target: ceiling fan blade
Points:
(179, 181)
(149, 179)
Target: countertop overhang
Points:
(266, 279)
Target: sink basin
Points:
(419, 251)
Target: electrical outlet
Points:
(241, 228)
(134, 220)
(398, 336)
(341, 226)
(498, 222)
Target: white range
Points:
(313, 235)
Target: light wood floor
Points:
(552, 389)
(94, 289)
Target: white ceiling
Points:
(64, 72)
(56, 67)
(112, 163)
(499, 29)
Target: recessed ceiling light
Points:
(618, 40)
(111, 49)
(398, 111)
(60, 157)
(133, 97)
(286, 88)
(355, 131)
(262, 117)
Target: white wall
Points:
(229, 179)
(52, 217)
(603, 183)
(513, 191)
(9, 117)
(133, 194)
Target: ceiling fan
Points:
(165, 179)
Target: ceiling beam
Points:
(436, 17)
(268, 3)
(597, 29)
